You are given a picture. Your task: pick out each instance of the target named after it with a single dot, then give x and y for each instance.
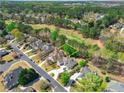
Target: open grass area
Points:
(2, 88)
(37, 59)
(37, 86)
(68, 49)
(8, 58)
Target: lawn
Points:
(68, 49)
(2, 88)
(37, 86)
(36, 59)
(49, 67)
(8, 58)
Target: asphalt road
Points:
(115, 86)
(54, 83)
(5, 66)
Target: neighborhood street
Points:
(4, 67)
(54, 83)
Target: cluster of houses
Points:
(59, 57)
(117, 26)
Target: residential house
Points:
(117, 26)
(9, 37)
(11, 79)
(55, 56)
(3, 53)
(68, 62)
(37, 44)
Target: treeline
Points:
(62, 16)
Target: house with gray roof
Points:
(3, 53)
(11, 79)
(9, 37)
(68, 62)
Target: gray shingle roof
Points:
(11, 79)
(3, 53)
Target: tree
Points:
(65, 78)
(2, 24)
(54, 35)
(27, 75)
(83, 63)
(62, 39)
(17, 34)
(10, 26)
(92, 83)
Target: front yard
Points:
(48, 68)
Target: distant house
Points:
(3, 53)
(47, 48)
(117, 26)
(68, 62)
(9, 37)
(55, 55)
(99, 16)
(11, 79)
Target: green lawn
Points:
(68, 49)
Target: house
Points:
(37, 44)
(47, 48)
(68, 62)
(11, 79)
(9, 37)
(99, 16)
(117, 26)
(55, 55)
(3, 53)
